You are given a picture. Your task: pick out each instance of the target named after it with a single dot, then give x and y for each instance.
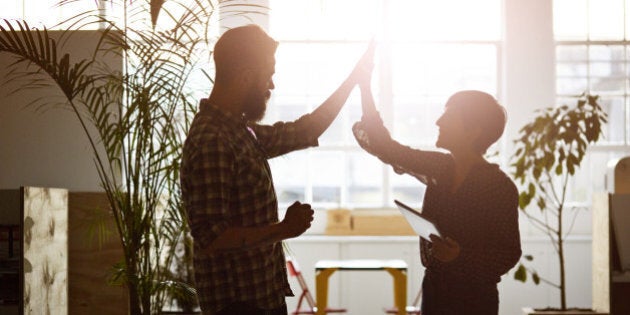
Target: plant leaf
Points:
(521, 273)
(535, 278)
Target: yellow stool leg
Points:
(321, 288)
(400, 289)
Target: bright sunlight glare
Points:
(419, 36)
(400, 20)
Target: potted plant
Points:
(141, 114)
(548, 152)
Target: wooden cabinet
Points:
(90, 263)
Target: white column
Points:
(528, 62)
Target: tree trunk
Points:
(132, 286)
(134, 300)
(563, 288)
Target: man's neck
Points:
(226, 100)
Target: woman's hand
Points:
(444, 250)
(371, 133)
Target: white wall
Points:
(44, 148)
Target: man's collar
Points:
(208, 108)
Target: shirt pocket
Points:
(255, 191)
(254, 171)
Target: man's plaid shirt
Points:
(226, 181)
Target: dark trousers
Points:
(246, 308)
(444, 296)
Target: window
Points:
(45, 12)
(593, 54)
(427, 51)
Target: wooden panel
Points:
(90, 263)
(601, 257)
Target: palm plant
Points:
(548, 152)
(140, 113)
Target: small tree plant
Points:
(548, 152)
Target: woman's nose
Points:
(439, 121)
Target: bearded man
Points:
(227, 186)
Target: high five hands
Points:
(373, 137)
(370, 132)
(362, 72)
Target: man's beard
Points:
(255, 106)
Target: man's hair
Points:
(480, 109)
(242, 47)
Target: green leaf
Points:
(523, 200)
(535, 278)
(559, 169)
(537, 172)
(597, 130)
(550, 159)
(592, 99)
(541, 203)
(521, 273)
(570, 166)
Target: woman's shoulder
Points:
(496, 178)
